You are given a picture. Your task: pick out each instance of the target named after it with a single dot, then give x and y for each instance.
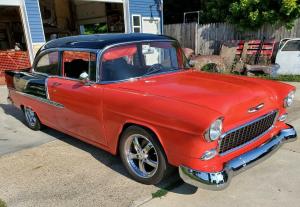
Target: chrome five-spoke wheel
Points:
(143, 155)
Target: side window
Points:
(48, 64)
(163, 53)
(74, 63)
(136, 24)
(121, 63)
(292, 45)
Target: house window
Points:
(136, 23)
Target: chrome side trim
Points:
(220, 180)
(247, 124)
(43, 100)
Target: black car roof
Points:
(99, 41)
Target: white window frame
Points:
(158, 19)
(132, 22)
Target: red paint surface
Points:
(178, 107)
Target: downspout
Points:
(127, 16)
(162, 16)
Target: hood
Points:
(227, 94)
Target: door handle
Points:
(55, 84)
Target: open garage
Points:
(72, 17)
(25, 25)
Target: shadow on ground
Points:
(113, 162)
(11, 110)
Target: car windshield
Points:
(141, 59)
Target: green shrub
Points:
(2, 203)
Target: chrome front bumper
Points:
(220, 180)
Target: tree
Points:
(213, 11)
(174, 9)
(245, 14)
(252, 14)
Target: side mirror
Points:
(84, 78)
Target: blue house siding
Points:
(144, 9)
(34, 21)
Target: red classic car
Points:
(135, 95)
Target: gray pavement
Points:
(14, 135)
(49, 168)
(274, 182)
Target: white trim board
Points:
(10, 2)
(26, 28)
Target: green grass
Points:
(288, 78)
(164, 191)
(2, 203)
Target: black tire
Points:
(33, 122)
(162, 164)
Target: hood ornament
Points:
(256, 108)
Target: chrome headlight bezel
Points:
(215, 130)
(289, 99)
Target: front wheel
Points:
(143, 156)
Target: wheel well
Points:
(145, 128)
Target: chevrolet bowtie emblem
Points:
(256, 108)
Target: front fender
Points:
(179, 126)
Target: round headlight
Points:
(289, 99)
(215, 130)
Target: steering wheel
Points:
(155, 68)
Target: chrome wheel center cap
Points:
(143, 155)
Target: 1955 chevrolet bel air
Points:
(135, 95)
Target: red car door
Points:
(81, 111)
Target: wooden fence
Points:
(207, 39)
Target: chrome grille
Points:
(246, 133)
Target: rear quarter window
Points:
(48, 64)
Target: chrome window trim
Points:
(40, 55)
(46, 51)
(101, 52)
(244, 125)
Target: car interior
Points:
(75, 67)
(119, 69)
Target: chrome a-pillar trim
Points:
(220, 180)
